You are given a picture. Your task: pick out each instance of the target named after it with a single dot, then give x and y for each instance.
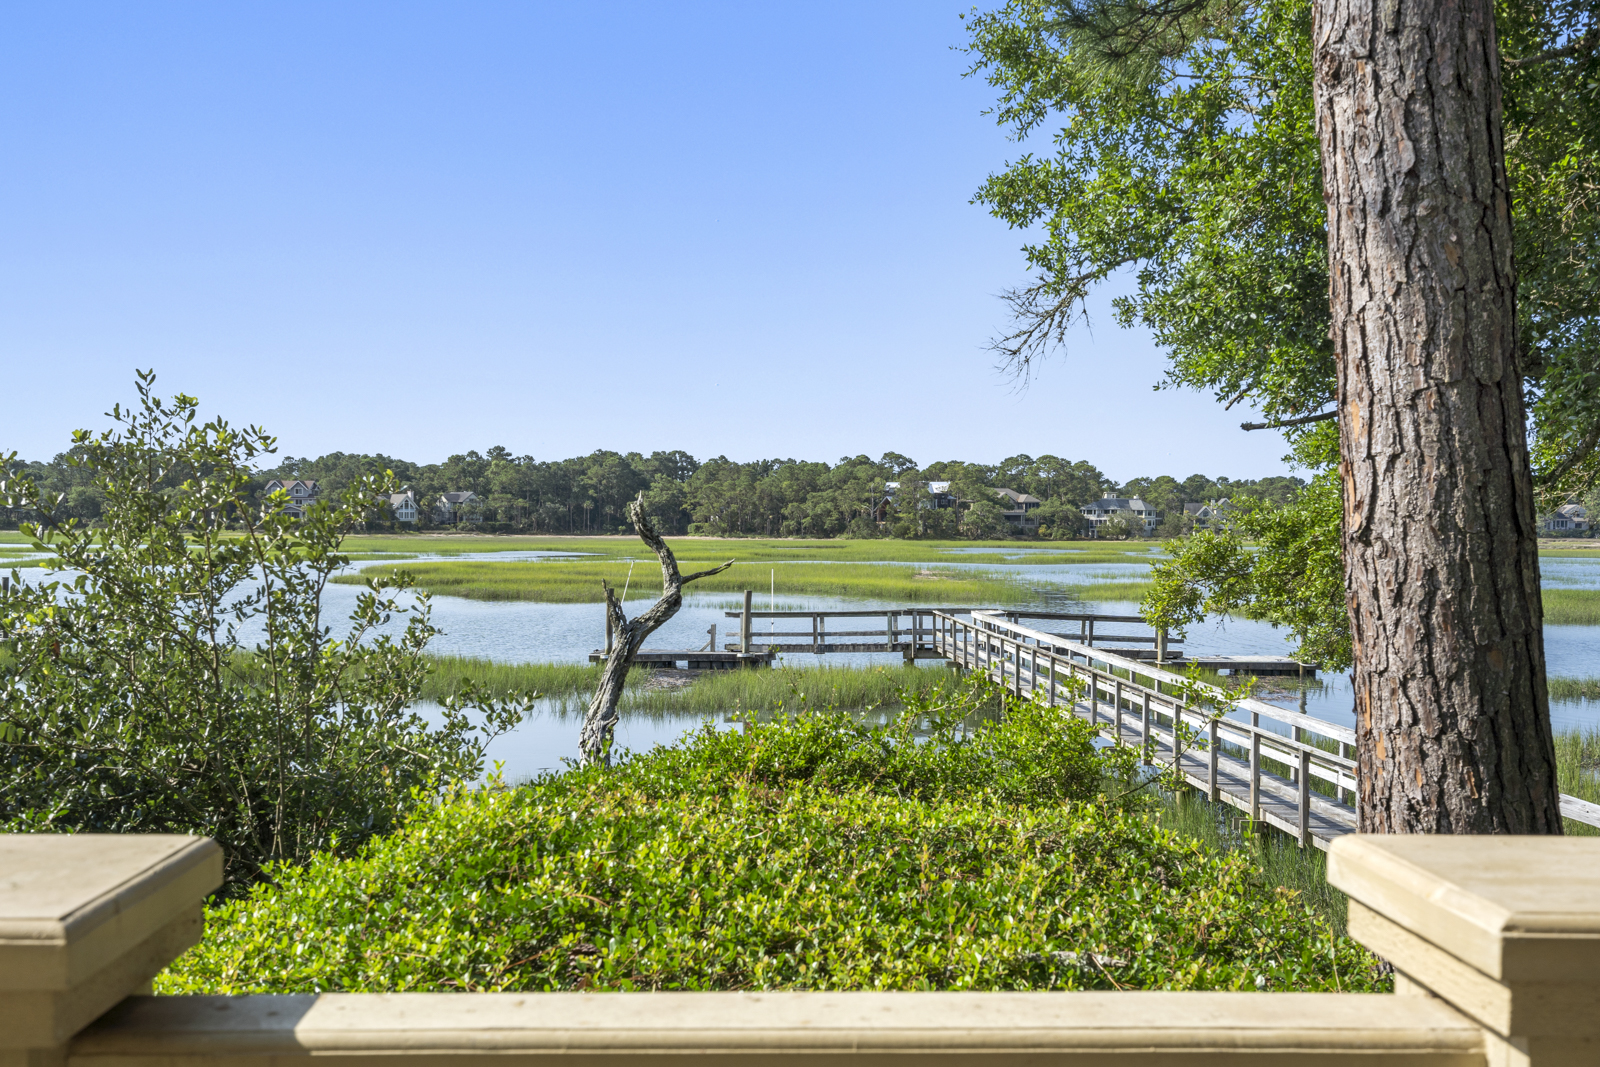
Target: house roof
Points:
(309, 483)
(1574, 511)
(458, 498)
(1119, 503)
(396, 499)
(1019, 498)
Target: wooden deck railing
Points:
(1495, 942)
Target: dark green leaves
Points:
(812, 853)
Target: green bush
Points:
(180, 674)
(809, 853)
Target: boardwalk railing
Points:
(1283, 768)
(910, 631)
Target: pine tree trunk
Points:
(1441, 558)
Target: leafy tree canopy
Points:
(1186, 153)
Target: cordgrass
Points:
(775, 550)
(578, 581)
(1572, 607)
(791, 687)
(1276, 855)
(1578, 770)
(568, 685)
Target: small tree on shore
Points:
(600, 722)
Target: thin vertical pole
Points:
(744, 637)
(1116, 715)
(1144, 733)
(1177, 736)
(1255, 775)
(1033, 670)
(1052, 665)
(1214, 788)
(1305, 798)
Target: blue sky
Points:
(413, 228)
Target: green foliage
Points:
(1293, 576)
(1187, 153)
(181, 680)
(809, 853)
(1578, 770)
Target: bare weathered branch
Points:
(1276, 424)
(599, 723)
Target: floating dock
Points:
(697, 660)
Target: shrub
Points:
(183, 679)
(809, 853)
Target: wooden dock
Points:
(1283, 768)
(697, 660)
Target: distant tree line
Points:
(721, 497)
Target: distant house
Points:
(1207, 516)
(456, 507)
(1018, 507)
(301, 494)
(403, 506)
(1568, 518)
(939, 496)
(1101, 511)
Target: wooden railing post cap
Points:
(87, 919)
(1504, 928)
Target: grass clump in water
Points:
(1572, 607)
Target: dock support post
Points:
(744, 628)
(1255, 776)
(1116, 713)
(1305, 799)
(1161, 645)
(1214, 788)
(1051, 663)
(1145, 738)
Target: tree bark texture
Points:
(1441, 561)
(600, 722)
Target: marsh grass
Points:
(1280, 860)
(1578, 769)
(753, 550)
(1574, 689)
(568, 685)
(790, 687)
(1572, 607)
(578, 581)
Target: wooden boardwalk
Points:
(1283, 768)
(1287, 770)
